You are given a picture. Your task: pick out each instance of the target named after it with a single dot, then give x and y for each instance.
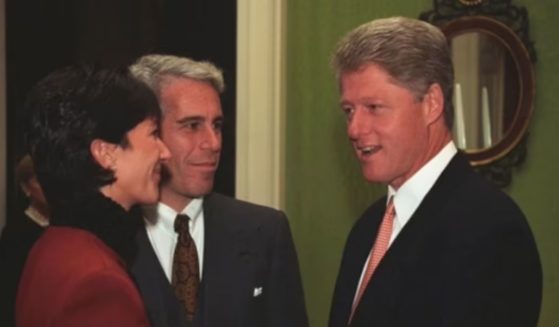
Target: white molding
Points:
(260, 101)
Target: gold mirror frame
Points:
(508, 24)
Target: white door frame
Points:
(260, 101)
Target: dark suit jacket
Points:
(17, 239)
(72, 278)
(466, 257)
(248, 249)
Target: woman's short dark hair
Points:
(68, 110)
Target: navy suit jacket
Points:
(466, 257)
(250, 273)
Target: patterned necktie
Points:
(377, 252)
(185, 267)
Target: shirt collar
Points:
(193, 209)
(408, 197)
(164, 216)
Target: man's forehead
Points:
(185, 99)
(182, 113)
(172, 83)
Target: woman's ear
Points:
(104, 153)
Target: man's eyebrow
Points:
(188, 119)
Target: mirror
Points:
(494, 81)
(487, 82)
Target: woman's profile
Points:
(93, 137)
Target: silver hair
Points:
(155, 69)
(413, 52)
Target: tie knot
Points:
(390, 206)
(181, 224)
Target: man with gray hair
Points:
(206, 259)
(444, 247)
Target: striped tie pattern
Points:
(377, 252)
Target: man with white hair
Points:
(228, 262)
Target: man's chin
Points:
(373, 177)
(200, 191)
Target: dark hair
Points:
(68, 110)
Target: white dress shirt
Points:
(410, 195)
(160, 220)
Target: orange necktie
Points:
(185, 267)
(377, 252)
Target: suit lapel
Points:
(227, 264)
(386, 285)
(359, 244)
(163, 308)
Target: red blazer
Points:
(72, 278)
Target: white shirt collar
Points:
(167, 214)
(162, 235)
(410, 195)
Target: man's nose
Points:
(212, 139)
(358, 124)
(164, 152)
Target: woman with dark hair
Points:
(94, 141)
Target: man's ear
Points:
(433, 103)
(104, 153)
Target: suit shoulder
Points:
(478, 210)
(219, 202)
(87, 253)
(480, 196)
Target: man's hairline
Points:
(340, 72)
(164, 79)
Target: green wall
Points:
(325, 190)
